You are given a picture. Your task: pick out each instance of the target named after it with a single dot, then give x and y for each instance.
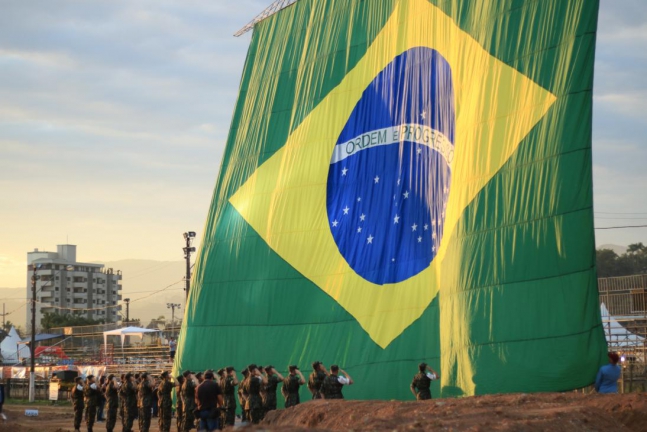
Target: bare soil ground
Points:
(51, 418)
(518, 412)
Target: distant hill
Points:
(619, 250)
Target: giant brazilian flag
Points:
(408, 181)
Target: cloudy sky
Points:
(114, 114)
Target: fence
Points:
(623, 302)
(18, 388)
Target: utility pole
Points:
(172, 306)
(127, 309)
(32, 345)
(188, 237)
(3, 315)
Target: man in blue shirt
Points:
(608, 375)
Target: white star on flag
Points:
(419, 150)
(433, 222)
(423, 115)
(396, 219)
(414, 227)
(433, 235)
(426, 227)
(359, 230)
(344, 171)
(406, 195)
(419, 239)
(359, 199)
(369, 240)
(377, 179)
(362, 217)
(398, 182)
(346, 209)
(335, 223)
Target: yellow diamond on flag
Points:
(285, 200)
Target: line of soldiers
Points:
(132, 397)
(257, 391)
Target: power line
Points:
(624, 218)
(150, 270)
(17, 308)
(622, 227)
(622, 213)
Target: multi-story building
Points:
(66, 286)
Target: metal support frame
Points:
(268, 12)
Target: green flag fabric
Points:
(408, 181)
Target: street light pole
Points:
(127, 301)
(188, 237)
(172, 306)
(32, 345)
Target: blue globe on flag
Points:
(390, 173)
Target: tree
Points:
(635, 248)
(7, 326)
(51, 320)
(633, 262)
(606, 262)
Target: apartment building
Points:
(66, 286)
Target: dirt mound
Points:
(517, 412)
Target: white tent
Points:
(618, 336)
(127, 331)
(11, 351)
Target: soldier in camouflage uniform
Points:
(130, 402)
(253, 385)
(165, 403)
(91, 393)
(420, 386)
(77, 403)
(179, 403)
(316, 379)
(229, 393)
(242, 396)
(187, 394)
(122, 402)
(273, 380)
(291, 385)
(220, 377)
(145, 402)
(112, 402)
(332, 385)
